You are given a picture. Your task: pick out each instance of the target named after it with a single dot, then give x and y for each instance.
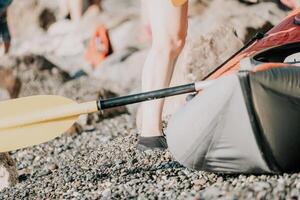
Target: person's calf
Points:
(172, 46)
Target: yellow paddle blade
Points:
(23, 135)
(178, 2)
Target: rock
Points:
(211, 193)
(106, 194)
(203, 53)
(118, 57)
(240, 17)
(46, 18)
(123, 77)
(9, 82)
(295, 193)
(119, 6)
(251, 178)
(4, 94)
(52, 167)
(199, 182)
(198, 7)
(261, 195)
(261, 186)
(44, 172)
(125, 35)
(90, 89)
(61, 27)
(26, 17)
(74, 130)
(220, 179)
(70, 46)
(64, 43)
(8, 171)
(38, 76)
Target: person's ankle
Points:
(151, 134)
(148, 131)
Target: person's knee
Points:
(169, 45)
(176, 45)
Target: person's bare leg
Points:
(2, 49)
(96, 4)
(6, 47)
(63, 8)
(146, 34)
(76, 9)
(169, 26)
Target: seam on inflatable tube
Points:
(264, 148)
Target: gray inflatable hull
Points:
(244, 123)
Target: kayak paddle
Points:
(33, 120)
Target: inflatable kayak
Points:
(247, 121)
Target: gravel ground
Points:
(102, 161)
(104, 164)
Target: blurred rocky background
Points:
(97, 157)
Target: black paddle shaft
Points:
(146, 96)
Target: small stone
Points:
(106, 193)
(261, 195)
(220, 179)
(53, 167)
(295, 193)
(44, 172)
(251, 178)
(8, 171)
(298, 185)
(199, 182)
(74, 130)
